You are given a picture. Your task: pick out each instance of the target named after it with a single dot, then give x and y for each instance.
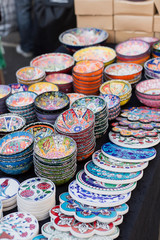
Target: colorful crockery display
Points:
(42, 87)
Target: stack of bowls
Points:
(152, 68)
(42, 87)
(87, 77)
(120, 88)
(104, 54)
(149, 40)
(22, 103)
(54, 62)
(148, 92)
(55, 158)
(29, 75)
(36, 196)
(78, 123)
(113, 105)
(156, 50)
(62, 80)
(99, 108)
(16, 152)
(133, 51)
(18, 87)
(49, 105)
(77, 38)
(11, 122)
(130, 72)
(5, 92)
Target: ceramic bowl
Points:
(74, 96)
(42, 87)
(88, 68)
(153, 65)
(54, 62)
(156, 49)
(77, 38)
(120, 88)
(16, 170)
(5, 91)
(149, 102)
(17, 87)
(149, 40)
(149, 89)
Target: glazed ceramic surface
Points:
(59, 78)
(17, 87)
(42, 87)
(4, 91)
(88, 66)
(74, 96)
(40, 237)
(21, 99)
(111, 100)
(11, 122)
(117, 87)
(8, 189)
(8, 233)
(153, 65)
(149, 87)
(48, 229)
(30, 73)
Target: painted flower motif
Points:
(20, 215)
(24, 234)
(28, 219)
(31, 226)
(27, 193)
(43, 186)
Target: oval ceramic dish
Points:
(42, 87)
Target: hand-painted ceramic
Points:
(8, 189)
(153, 65)
(149, 102)
(97, 200)
(88, 68)
(118, 221)
(85, 213)
(48, 229)
(42, 87)
(149, 89)
(133, 142)
(100, 187)
(8, 233)
(105, 54)
(51, 101)
(110, 164)
(40, 237)
(17, 87)
(74, 96)
(111, 100)
(11, 122)
(106, 176)
(53, 62)
(59, 78)
(21, 99)
(59, 235)
(117, 87)
(55, 147)
(150, 40)
(25, 225)
(30, 73)
(4, 91)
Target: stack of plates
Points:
(29, 75)
(54, 62)
(22, 103)
(62, 80)
(11, 122)
(152, 68)
(42, 87)
(49, 105)
(5, 92)
(133, 51)
(148, 92)
(120, 88)
(36, 196)
(78, 123)
(74, 96)
(87, 77)
(156, 50)
(16, 152)
(8, 197)
(55, 158)
(18, 87)
(39, 130)
(99, 108)
(149, 40)
(104, 54)
(130, 72)
(113, 105)
(19, 226)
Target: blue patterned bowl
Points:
(16, 170)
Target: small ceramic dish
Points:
(42, 87)
(30, 73)
(5, 91)
(148, 101)
(17, 87)
(153, 65)
(120, 88)
(149, 89)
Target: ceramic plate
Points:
(47, 229)
(111, 100)
(9, 188)
(8, 233)
(42, 87)
(40, 237)
(119, 88)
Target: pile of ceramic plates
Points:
(55, 158)
(16, 152)
(149, 40)
(99, 53)
(39, 130)
(113, 105)
(18, 87)
(99, 108)
(74, 96)
(87, 77)
(148, 92)
(53, 62)
(19, 225)
(29, 75)
(36, 196)
(156, 50)
(8, 196)
(130, 72)
(49, 105)
(120, 88)
(5, 92)
(42, 87)
(133, 51)
(22, 103)
(152, 68)
(11, 122)
(62, 80)
(78, 123)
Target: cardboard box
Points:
(146, 8)
(111, 37)
(93, 7)
(133, 23)
(102, 22)
(157, 35)
(156, 27)
(121, 36)
(157, 4)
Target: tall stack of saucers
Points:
(87, 76)
(78, 123)
(5, 92)
(36, 196)
(99, 108)
(55, 158)
(22, 103)
(133, 51)
(49, 105)
(152, 68)
(156, 50)
(29, 75)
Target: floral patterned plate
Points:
(8, 190)
(120, 88)
(42, 87)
